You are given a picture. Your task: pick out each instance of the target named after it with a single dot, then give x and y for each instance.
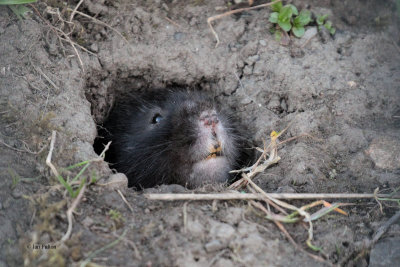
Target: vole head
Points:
(173, 137)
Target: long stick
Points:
(249, 196)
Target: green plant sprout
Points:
(16, 178)
(116, 215)
(288, 19)
(17, 7)
(68, 184)
(321, 21)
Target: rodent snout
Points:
(210, 119)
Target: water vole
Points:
(171, 136)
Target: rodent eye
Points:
(156, 118)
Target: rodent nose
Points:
(210, 120)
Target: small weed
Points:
(17, 7)
(116, 216)
(68, 183)
(323, 22)
(15, 178)
(289, 19)
(332, 174)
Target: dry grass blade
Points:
(280, 225)
(258, 167)
(70, 213)
(124, 199)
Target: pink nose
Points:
(210, 120)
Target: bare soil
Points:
(343, 90)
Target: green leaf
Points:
(328, 24)
(294, 9)
(66, 185)
(303, 18)
(332, 30)
(298, 31)
(321, 19)
(285, 14)
(285, 25)
(20, 11)
(273, 17)
(276, 7)
(16, 2)
(76, 192)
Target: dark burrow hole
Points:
(156, 135)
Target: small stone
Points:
(384, 152)
(252, 59)
(310, 33)
(248, 70)
(240, 64)
(222, 231)
(214, 245)
(178, 36)
(164, 5)
(88, 221)
(193, 22)
(232, 215)
(385, 253)
(195, 228)
(245, 100)
(94, 47)
(117, 181)
(285, 189)
(263, 42)
(16, 193)
(274, 103)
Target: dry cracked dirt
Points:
(61, 74)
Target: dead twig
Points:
(279, 224)
(384, 227)
(46, 77)
(74, 11)
(56, 30)
(258, 196)
(70, 213)
(174, 23)
(211, 19)
(99, 22)
(48, 159)
(124, 199)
